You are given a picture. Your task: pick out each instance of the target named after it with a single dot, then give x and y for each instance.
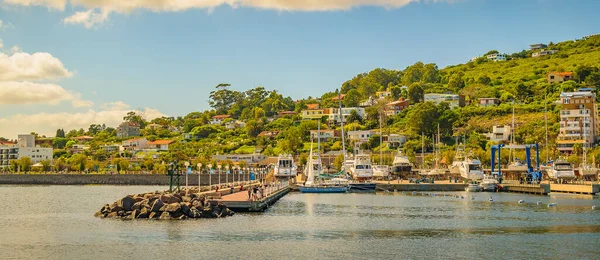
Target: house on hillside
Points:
(452, 99)
(312, 106)
(334, 114)
(394, 140)
(543, 53)
(369, 102)
(382, 94)
(218, 119)
(497, 57)
(499, 133)
(558, 77)
(234, 124)
(537, 46)
(135, 144)
(394, 108)
(324, 135)
(287, 113)
(160, 145)
(488, 102)
(310, 114)
(338, 98)
(127, 129)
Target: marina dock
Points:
(540, 189)
(239, 202)
(437, 186)
(591, 189)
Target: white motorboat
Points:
(361, 168)
(561, 169)
(467, 168)
(401, 164)
(285, 166)
(488, 183)
(381, 171)
(517, 166)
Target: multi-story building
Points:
(334, 114)
(311, 114)
(578, 120)
(25, 147)
(496, 57)
(218, 119)
(499, 133)
(127, 129)
(159, 145)
(135, 144)
(324, 135)
(543, 53)
(394, 108)
(452, 99)
(538, 46)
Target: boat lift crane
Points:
(533, 174)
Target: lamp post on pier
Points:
(210, 176)
(187, 164)
(199, 175)
(219, 167)
(227, 174)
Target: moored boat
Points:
(488, 183)
(401, 164)
(381, 172)
(473, 188)
(561, 169)
(285, 167)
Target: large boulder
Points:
(126, 203)
(138, 198)
(154, 215)
(185, 209)
(144, 213)
(173, 207)
(157, 205)
(173, 199)
(165, 216)
(165, 197)
(137, 205)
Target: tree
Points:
(373, 142)
(94, 129)
(24, 163)
(485, 80)
(46, 165)
(491, 52)
(353, 117)
(60, 133)
(292, 141)
(59, 142)
(415, 93)
(352, 98)
(135, 117)
(583, 71)
(78, 162)
(223, 98)
(456, 81)
(396, 92)
(422, 118)
(254, 127)
(593, 79)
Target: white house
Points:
(324, 135)
(218, 119)
(25, 147)
(497, 57)
(334, 114)
(499, 133)
(135, 144)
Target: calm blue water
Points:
(56, 222)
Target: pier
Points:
(436, 186)
(591, 189)
(239, 201)
(513, 186)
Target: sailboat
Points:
(436, 170)
(310, 186)
(381, 171)
(515, 163)
(586, 170)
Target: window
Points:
(551, 77)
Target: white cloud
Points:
(47, 123)
(4, 26)
(89, 18)
(115, 106)
(18, 93)
(37, 66)
(15, 49)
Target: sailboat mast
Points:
(512, 131)
(546, 124)
(423, 148)
(343, 135)
(381, 141)
(584, 138)
(437, 160)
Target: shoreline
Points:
(113, 179)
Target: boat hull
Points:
(401, 169)
(323, 189)
(354, 187)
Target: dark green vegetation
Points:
(520, 80)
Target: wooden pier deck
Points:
(239, 201)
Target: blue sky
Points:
(168, 61)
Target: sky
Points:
(71, 63)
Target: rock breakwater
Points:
(165, 206)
